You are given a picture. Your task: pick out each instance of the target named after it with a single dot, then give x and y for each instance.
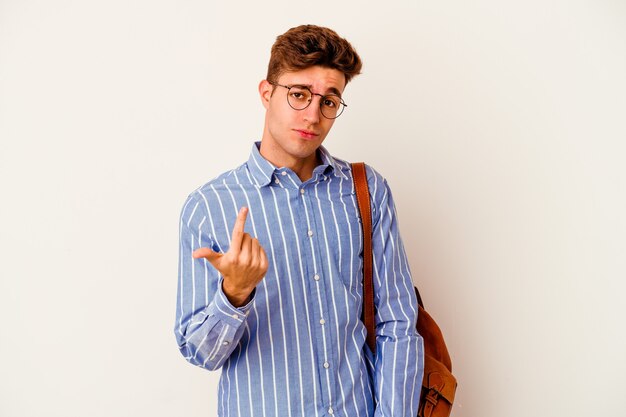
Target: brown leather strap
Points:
(363, 198)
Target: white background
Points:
(500, 126)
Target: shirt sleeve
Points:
(399, 360)
(208, 327)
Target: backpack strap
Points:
(363, 198)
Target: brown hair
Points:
(308, 45)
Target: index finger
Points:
(237, 237)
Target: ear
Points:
(265, 92)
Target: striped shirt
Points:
(298, 347)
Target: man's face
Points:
(292, 136)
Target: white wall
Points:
(499, 124)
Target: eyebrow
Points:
(332, 90)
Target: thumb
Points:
(206, 253)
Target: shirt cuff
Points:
(229, 313)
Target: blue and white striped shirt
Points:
(298, 347)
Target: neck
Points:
(302, 167)
(304, 170)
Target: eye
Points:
(299, 94)
(331, 101)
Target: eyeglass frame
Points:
(343, 103)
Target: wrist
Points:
(236, 296)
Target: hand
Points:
(243, 266)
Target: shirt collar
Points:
(330, 164)
(262, 170)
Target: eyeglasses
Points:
(300, 97)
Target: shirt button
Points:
(277, 181)
(236, 316)
(330, 410)
(226, 343)
(310, 233)
(283, 173)
(301, 190)
(322, 321)
(316, 277)
(326, 365)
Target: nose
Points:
(312, 112)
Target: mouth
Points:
(307, 134)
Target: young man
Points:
(270, 279)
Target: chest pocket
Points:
(343, 230)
